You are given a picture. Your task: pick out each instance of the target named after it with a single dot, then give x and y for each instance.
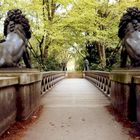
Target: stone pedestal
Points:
(123, 96)
(137, 91)
(28, 90)
(8, 109)
(28, 94)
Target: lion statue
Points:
(14, 46)
(129, 33)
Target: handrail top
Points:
(100, 73)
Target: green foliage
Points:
(51, 64)
(57, 25)
(95, 66)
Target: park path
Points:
(75, 110)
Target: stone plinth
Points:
(137, 91)
(28, 90)
(123, 96)
(28, 94)
(7, 102)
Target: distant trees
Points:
(88, 26)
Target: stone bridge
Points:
(74, 108)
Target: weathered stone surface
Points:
(8, 81)
(28, 91)
(49, 79)
(28, 99)
(123, 92)
(120, 94)
(17, 70)
(28, 78)
(124, 76)
(100, 79)
(138, 102)
(7, 102)
(137, 92)
(20, 95)
(74, 74)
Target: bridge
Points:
(73, 108)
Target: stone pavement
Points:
(75, 110)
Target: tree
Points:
(59, 24)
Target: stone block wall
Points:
(7, 102)
(123, 89)
(20, 94)
(21, 91)
(136, 81)
(28, 94)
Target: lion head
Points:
(16, 16)
(129, 21)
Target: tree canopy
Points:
(62, 28)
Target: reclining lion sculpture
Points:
(14, 46)
(129, 33)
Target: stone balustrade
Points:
(28, 90)
(21, 91)
(123, 89)
(49, 79)
(100, 79)
(136, 85)
(124, 92)
(7, 102)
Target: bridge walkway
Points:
(75, 110)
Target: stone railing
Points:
(122, 86)
(136, 97)
(7, 102)
(125, 92)
(21, 91)
(20, 96)
(100, 79)
(49, 79)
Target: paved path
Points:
(74, 110)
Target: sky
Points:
(111, 1)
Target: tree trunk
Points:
(102, 55)
(49, 7)
(45, 56)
